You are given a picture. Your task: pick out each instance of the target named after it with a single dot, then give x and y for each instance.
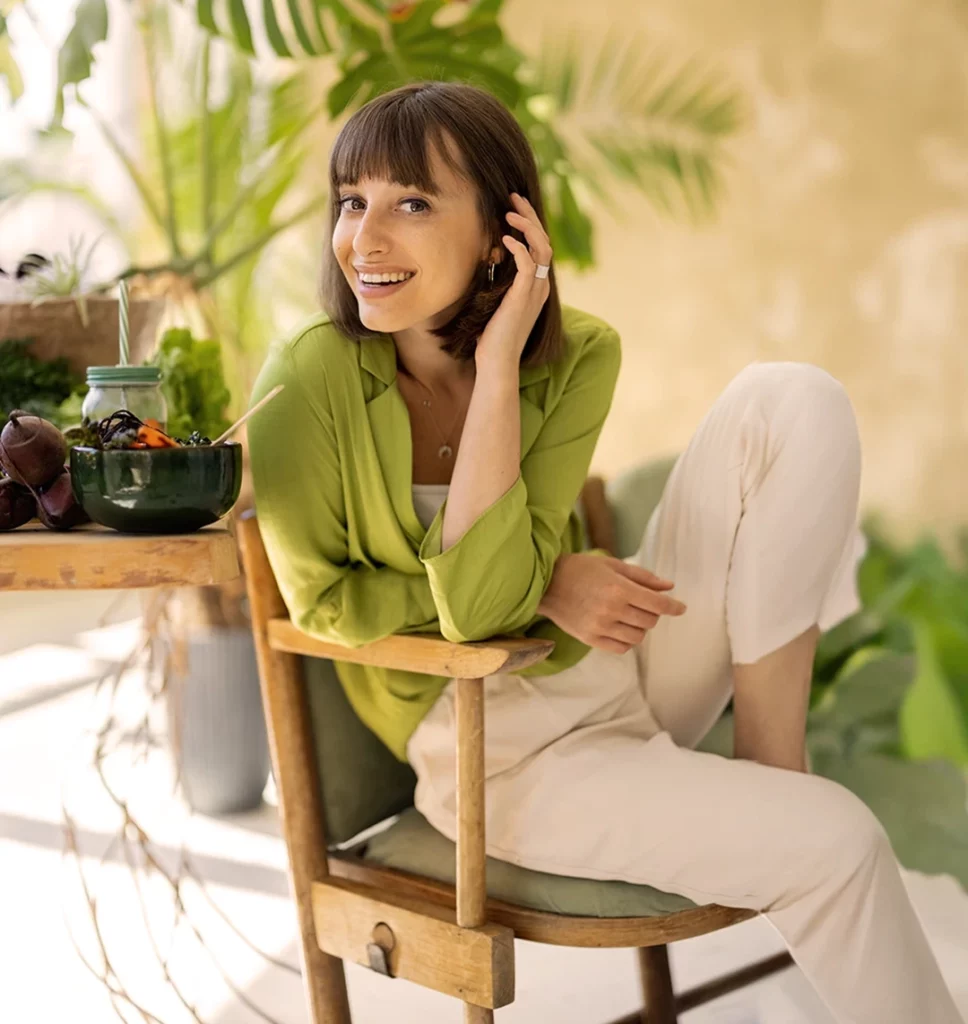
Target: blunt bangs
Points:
(391, 142)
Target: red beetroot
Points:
(57, 507)
(17, 505)
(32, 449)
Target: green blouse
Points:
(331, 463)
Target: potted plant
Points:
(52, 302)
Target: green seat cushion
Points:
(361, 782)
(413, 845)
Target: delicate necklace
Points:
(444, 451)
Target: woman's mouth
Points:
(374, 290)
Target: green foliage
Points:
(596, 113)
(621, 112)
(75, 58)
(193, 384)
(66, 276)
(932, 722)
(860, 713)
(68, 413)
(915, 604)
(226, 169)
(38, 386)
(593, 114)
(920, 804)
(9, 71)
(889, 703)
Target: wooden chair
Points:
(401, 902)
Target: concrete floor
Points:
(48, 707)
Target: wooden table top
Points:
(92, 557)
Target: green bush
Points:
(193, 384)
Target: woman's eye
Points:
(422, 205)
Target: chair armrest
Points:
(469, 663)
(419, 652)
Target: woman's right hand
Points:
(606, 602)
(506, 334)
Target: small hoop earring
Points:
(490, 273)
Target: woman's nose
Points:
(371, 235)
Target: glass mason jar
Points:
(135, 388)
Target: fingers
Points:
(644, 589)
(606, 643)
(522, 258)
(625, 634)
(641, 575)
(649, 600)
(526, 220)
(637, 618)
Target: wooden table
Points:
(92, 557)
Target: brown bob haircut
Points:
(390, 138)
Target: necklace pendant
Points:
(444, 451)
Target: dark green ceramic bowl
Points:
(157, 490)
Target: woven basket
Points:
(56, 330)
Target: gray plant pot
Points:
(216, 724)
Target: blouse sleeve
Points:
(493, 578)
(297, 481)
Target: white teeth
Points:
(384, 278)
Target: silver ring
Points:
(541, 269)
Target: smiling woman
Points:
(589, 763)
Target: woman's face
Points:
(385, 227)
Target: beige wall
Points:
(843, 240)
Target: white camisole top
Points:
(427, 499)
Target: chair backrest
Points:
(632, 497)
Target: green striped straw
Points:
(123, 310)
(123, 316)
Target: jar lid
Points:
(118, 375)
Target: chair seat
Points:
(414, 846)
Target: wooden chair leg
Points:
(660, 998)
(471, 880)
(293, 759)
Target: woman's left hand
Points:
(507, 332)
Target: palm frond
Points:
(618, 106)
(289, 28)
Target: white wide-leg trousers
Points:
(591, 771)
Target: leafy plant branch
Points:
(611, 112)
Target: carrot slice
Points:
(154, 438)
